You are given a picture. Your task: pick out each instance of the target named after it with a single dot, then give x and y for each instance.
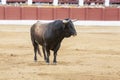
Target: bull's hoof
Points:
(45, 60)
(47, 63)
(35, 60)
(54, 63)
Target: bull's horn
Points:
(65, 21)
(74, 20)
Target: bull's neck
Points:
(59, 38)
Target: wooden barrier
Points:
(77, 13)
(45, 13)
(12, 13)
(94, 13)
(111, 14)
(119, 14)
(2, 13)
(40, 13)
(43, 1)
(29, 13)
(16, 0)
(61, 13)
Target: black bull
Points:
(50, 36)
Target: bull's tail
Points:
(38, 50)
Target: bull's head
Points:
(69, 29)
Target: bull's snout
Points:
(74, 34)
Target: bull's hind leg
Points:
(44, 53)
(35, 51)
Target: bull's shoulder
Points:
(38, 23)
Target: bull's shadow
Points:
(42, 63)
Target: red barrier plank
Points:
(16, 0)
(94, 13)
(45, 13)
(29, 13)
(119, 14)
(2, 13)
(111, 14)
(77, 13)
(12, 13)
(61, 13)
(46, 1)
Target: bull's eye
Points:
(66, 28)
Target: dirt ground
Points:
(94, 54)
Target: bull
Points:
(50, 36)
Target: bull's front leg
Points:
(47, 59)
(54, 60)
(47, 54)
(55, 53)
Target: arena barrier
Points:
(94, 14)
(78, 13)
(2, 13)
(12, 13)
(47, 13)
(29, 13)
(111, 14)
(85, 16)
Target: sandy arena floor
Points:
(94, 54)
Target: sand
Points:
(94, 54)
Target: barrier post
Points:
(3, 2)
(81, 2)
(107, 2)
(29, 2)
(55, 2)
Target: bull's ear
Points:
(65, 21)
(37, 21)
